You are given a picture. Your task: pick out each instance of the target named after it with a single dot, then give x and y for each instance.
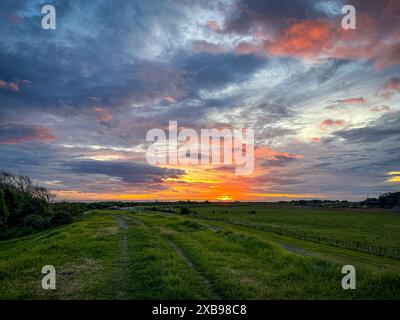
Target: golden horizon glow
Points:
(202, 183)
(73, 195)
(394, 179)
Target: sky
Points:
(76, 102)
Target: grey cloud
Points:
(126, 171)
(386, 128)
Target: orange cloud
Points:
(377, 37)
(102, 114)
(305, 38)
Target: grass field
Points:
(213, 255)
(375, 228)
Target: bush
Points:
(3, 210)
(74, 208)
(61, 217)
(36, 222)
(184, 211)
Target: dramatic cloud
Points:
(323, 101)
(314, 32)
(126, 171)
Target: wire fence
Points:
(353, 245)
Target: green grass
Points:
(82, 253)
(157, 272)
(241, 265)
(120, 255)
(380, 228)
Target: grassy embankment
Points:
(119, 255)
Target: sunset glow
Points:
(76, 103)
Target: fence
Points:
(352, 245)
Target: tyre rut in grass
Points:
(123, 261)
(182, 255)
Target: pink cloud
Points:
(389, 88)
(331, 123)
(170, 99)
(13, 85)
(352, 100)
(315, 139)
(213, 25)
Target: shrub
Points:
(36, 222)
(184, 211)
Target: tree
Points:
(4, 213)
(389, 200)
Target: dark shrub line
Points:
(26, 208)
